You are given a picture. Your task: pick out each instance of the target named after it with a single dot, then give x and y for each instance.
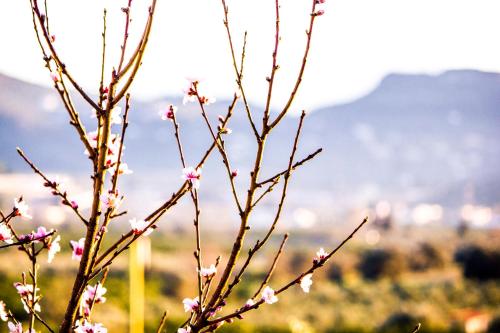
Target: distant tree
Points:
(335, 273)
(379, 263)
(426, 257)
(479, 263)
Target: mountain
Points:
(415, 138)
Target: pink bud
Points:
(319, 12)
(54, 77)
(53, 38)
(74, 204)
(234, 173)
(320, 1)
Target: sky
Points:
(355, 44)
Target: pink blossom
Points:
(111, 200)
(124, 170)
(184, 330)
(21, 208)
(5, 234)
(3, 312)
(268, 295)
(194, 90)
(77, 249)
(193, 175)
(138, 227)
(168, 113)
(208, 272)
(249, 303)
(92, 137)
(113, 142)
(54, 248)
(321, 254)
(191, 305)
(306, 282)
(93, 294)
(26, 293)
(41, 233)
(87, 327)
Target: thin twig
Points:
(275, 67)
(294, 166)
(53, 186)
(273, 267)
(163, 321)
(239, 72)
(302, 68)
(126, 10)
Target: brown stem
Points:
(92, 228)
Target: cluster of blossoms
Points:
(194, 91)
(111, 200)
(87, 327)
(26, 292)
(168, 113)
(92, 295)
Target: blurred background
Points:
(407, 114)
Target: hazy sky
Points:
(356, 43)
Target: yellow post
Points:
(139, 256)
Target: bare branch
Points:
(54, 186)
